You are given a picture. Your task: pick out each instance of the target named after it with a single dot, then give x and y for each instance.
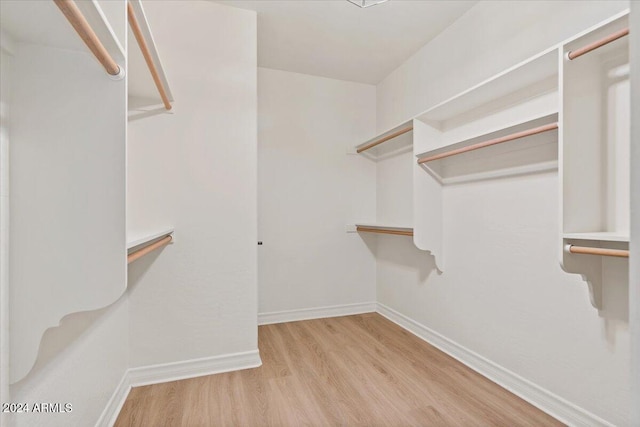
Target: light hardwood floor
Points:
(353, 370)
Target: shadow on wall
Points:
(371, 240)
(138, 269)
(72, 327)
(615, 297)
(402, 254)
(56, 339)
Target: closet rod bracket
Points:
(119, 76)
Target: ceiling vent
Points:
(366, 3)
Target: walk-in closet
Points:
(319, 212)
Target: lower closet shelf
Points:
(146, 242)
(384, 229)
(138, 238)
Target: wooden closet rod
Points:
(146, 53)
(86, 33)
(384, 231)
(597, 251)
(495, 141)
(599, 43)
(142, 252)
(384, 139)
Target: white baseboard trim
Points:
(315, 313)
(550, 403)
(115, 403)
(165, 372)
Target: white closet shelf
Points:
(594, 143)
(547, 121)
(605, 236)
(396, 139)
(381, 229)
(527, 147)
(535, 74)
(138, 238)
(143, 94)
(520, 98)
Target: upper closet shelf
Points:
(148, 86)
(388, 143)
(529, 78)
(534, 80)
(44, 23)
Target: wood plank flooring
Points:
(345, 371)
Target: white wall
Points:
(195, 169)
(503, 294)
(67, 169)
(310, 188)
(634, 275)
(394, 189)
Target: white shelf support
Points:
(594, 147)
